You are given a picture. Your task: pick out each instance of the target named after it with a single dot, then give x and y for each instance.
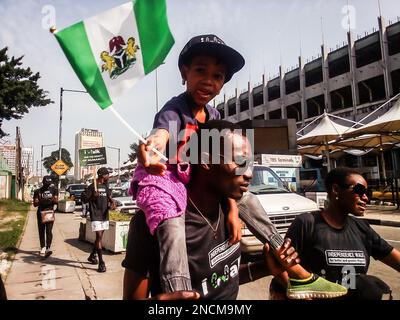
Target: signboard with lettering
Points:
(281, 160)
(92, 157)
(59, 167)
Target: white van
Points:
(281, 205)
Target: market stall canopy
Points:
(370, 141)
(389, 122)
(319, 149)
(327, 130)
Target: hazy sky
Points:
(265, 32)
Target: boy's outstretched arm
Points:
(234, 223)
(149, 159)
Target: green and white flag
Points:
(113, 50)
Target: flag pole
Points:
(95, 178)
(136, 133)
(53, 30)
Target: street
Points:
(31, 277)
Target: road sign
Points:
(59, 167)
(92, 157)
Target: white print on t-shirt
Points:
(102, 192)
(217, 280)
(221, 252)
(47, 194)
(345, 257)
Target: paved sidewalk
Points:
(385, 215)
(66, 275)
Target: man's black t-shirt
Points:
(45, 196)
(98, 206)
(334, 253)
(213, 263)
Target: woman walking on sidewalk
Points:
(45, 198)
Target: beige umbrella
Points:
(370, 141)
(326, 130)
(389, 122)
(319, 149)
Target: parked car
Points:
(126, 205)
(119, 191)
(311, 180)
(74, 191)
(281, 205)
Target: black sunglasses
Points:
(359, 189)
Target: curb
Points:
(386, 223)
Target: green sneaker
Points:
(314, 288)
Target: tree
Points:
(19, 90)
(133, 155)
(53, 158)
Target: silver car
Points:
(126, 205)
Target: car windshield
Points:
(77, 188)
(266, 181)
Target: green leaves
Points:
(19, 90)
(50, 160)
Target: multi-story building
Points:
(86, 139)
(350, 81)
(27, 160)
(8, 153)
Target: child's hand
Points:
(235, 228)
(287, 255)
(149, 159)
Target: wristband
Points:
(249, 264)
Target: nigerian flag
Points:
(111, 51)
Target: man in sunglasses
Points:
(337, 245)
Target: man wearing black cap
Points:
(45, 198)
(100, 201)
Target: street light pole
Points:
(60, 129)
(62, 90)
(119, 157)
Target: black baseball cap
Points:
(47, 179)
(103, 171)
(212, 45)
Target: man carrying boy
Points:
(206, 63)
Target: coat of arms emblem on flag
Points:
(121, 57)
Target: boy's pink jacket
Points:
(174, 192)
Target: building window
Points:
(232, 107)
(315, 106)
(341, 98)
(371, 90)
(277, 114)
(368, 50)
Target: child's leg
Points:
(174, 266)
(253, 214)
(164, 219)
